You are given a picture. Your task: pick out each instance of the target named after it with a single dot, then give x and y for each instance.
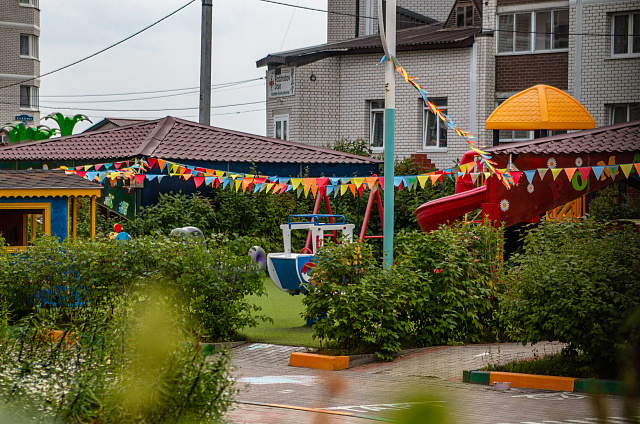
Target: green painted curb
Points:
(479, 377)
(604, 387)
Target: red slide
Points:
(439, 211)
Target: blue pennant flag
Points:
(530, 174)
(334, 181)
(152, 177)
(597, 171)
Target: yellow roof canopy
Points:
(540, 107)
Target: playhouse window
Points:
(434, 134)
(20, 223)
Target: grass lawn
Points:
(288, 326)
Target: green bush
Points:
(354, 302)
(212, 284)
(441, 290)
(576, 283)
(454, 274)
(610, 205)
(131, 361)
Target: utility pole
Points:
(388, 38)
(205, 62)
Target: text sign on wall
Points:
(280, 82)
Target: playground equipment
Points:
(558, 167)
(290, 271)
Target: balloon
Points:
(117, 228)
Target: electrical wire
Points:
(289, 26)
(151, 110)
(101, 51)
(214, 86)
(143, 98)
(317, 10)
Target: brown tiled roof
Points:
(38, 179)
(113, 122)
(425, 37)
(176, 139)
(623, 137)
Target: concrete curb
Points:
(545, 382)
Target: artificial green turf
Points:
(288, 326)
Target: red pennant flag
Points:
(584, 173)
(516, 176)
(80, 168)
(81, 173)
(151, 162)
(360, 189)
(139, 178)
(117, 165)
(322, 183)
(198, 181)
(97, 166)
(217, 182)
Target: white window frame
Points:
(30, 3)
(630, 52)
(532, 36)
(284, 124)
(372, 112)
(619, 105)
(33, 96)
(426, 113)
(32, 43)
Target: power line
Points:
(101, 51)
(318, 10)
(289, 26)
(150, 110)
(144, 98)
(221, 85)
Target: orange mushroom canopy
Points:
(540, 107)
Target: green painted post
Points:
(389, 125)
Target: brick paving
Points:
(377, 391)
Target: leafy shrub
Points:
(453, 274)
(354, 301)
(174, 211)
(358, 146)
(128, 362)
(576, 283)
(212, 283)
(610, 205)
(441, 290)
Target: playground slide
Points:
(439, 211)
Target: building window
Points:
(29, 98)
(377, 123)
(626, 34)
(30, 3)
(29, 46)
(464, 16)
(624, 113)
(434, 134)
(281, 127)
(550, 31)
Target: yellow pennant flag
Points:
(358, 181)
(295, 182)
(343, 189)
(463, 168)
(174, 168)
(87, 167)
(556, 172)
(269, 187)
(422, 179)
(487, 174)
(220, 173)
(626, 169)
(238, 184)
(113, 175)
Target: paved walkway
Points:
(375, 392)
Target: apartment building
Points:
(470, 55)
(19, 40)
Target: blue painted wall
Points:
(58, 212)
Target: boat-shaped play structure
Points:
(290, 271)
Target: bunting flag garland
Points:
(471, 139)
(151, 169)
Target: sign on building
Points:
(281, 82)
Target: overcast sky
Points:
(166, 56)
